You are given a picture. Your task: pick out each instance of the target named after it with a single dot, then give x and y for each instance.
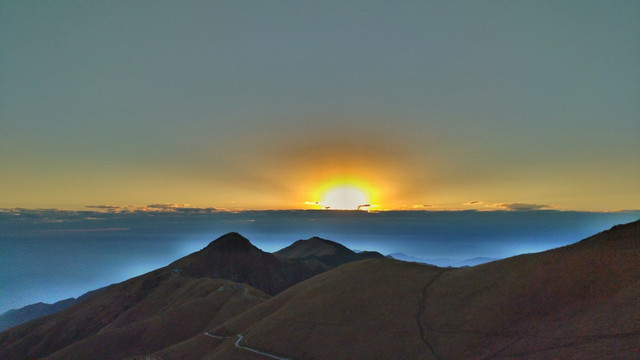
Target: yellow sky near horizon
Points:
(281, 173)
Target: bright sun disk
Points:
(345, 198)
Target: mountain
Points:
(327, 252)
(160, 308)
(574, 302)
(442, 262)
(233, 257)
(15, 317)
(138, 316)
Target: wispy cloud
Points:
(521, 206)
(108, 208)
(162, 207)
(475, 202)
(167, 206)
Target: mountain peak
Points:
(313, 247)
(231, 242)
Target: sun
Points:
(344, 194)
(345, 198)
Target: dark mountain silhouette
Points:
(574, 302)
(234, 258)
(325, 251)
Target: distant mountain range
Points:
(316, 299)
(442, 262)
(15, 317)
(18, 316)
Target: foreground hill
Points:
(138, 316)
(575, 302)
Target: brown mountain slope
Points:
(575, 302)
(133, 317)
(579, 301)
(138, 316)
(213, 302)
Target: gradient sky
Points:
(258, 105)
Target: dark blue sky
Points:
(48, 255)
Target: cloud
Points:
(521, 206)
(106, 208)
(102, 206)
(167, 206)
(475, 202)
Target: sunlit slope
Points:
(138, 316)
(576, 302)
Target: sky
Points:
(436, 105)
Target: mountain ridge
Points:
(327, 252)
(575, 302)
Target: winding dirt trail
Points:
(255, 351)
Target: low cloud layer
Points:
(164, 207)
(522, 206)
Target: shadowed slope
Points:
(578, 301)
(233, 257)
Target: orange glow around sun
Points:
(344, 195)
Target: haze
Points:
(50, 255)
